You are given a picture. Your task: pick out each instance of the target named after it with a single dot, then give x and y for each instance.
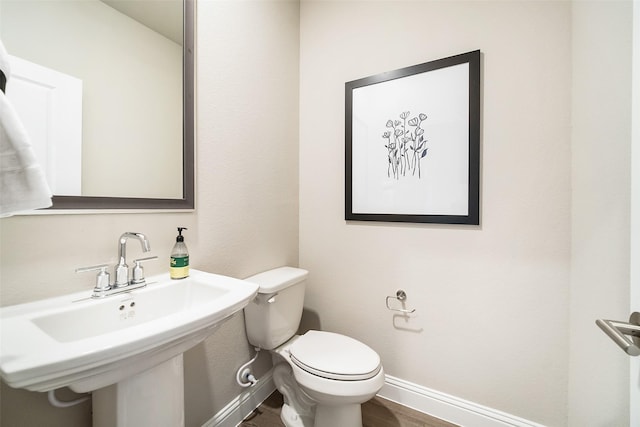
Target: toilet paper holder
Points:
(402, 297)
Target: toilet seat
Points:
(334, 356)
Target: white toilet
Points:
(324, 377)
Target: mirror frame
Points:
(188, 144)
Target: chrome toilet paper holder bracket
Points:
(402, 297)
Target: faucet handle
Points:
(138, 271)
(102, 279)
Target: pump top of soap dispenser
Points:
(180, 237)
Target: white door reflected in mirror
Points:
(49, 103)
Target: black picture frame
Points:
(431, 172)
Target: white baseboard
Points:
(440, 405)
(240, 407)
(446, 407)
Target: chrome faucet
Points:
(122, 282)
(122, 269)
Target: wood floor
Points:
(377, 412)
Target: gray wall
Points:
(246, 219)
(494, 303)
(600, 207)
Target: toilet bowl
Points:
(324, 377)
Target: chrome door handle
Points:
(618, 332)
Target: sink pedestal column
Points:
(154, 397)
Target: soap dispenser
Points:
(179, 268)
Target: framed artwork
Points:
(412, 143)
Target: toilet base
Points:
(298, 410)
(311, 401)
(338, 415)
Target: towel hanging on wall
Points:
(22, 182)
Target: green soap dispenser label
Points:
(180, 261)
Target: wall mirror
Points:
(126, 95)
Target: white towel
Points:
(23, 185)
(5, 67)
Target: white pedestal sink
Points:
(126, 347)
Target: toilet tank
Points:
(274, 315)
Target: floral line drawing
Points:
(406, 145)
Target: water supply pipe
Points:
(244, 376)
(53, 400)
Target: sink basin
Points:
(87, 344)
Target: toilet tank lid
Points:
(272, 281)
